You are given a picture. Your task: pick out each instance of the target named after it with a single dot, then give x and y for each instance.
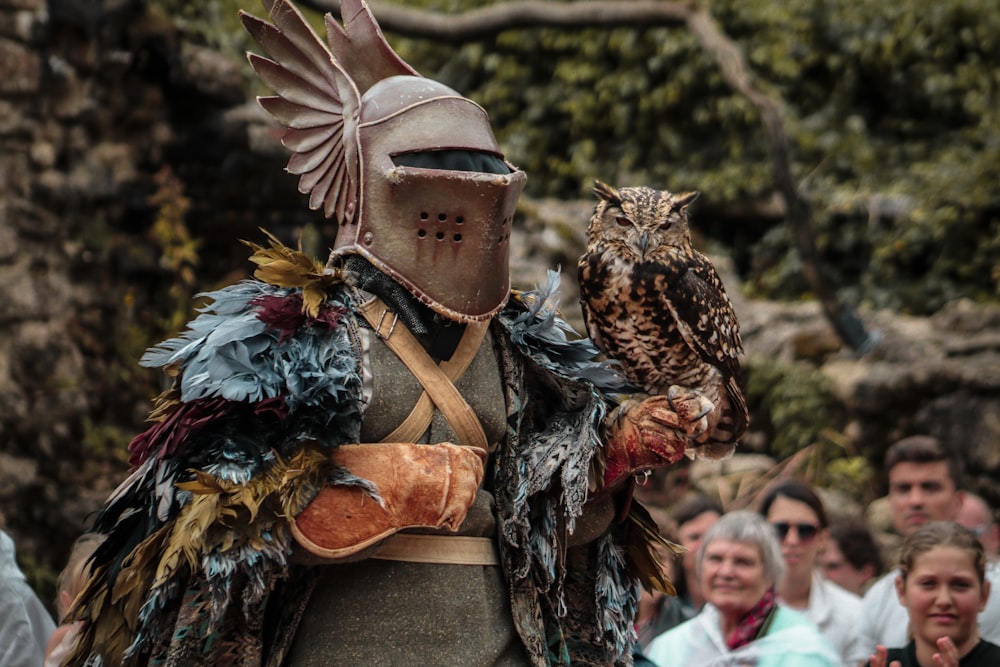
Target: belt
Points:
(443, 549)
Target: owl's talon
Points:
(689, 405)
(620, 413)
(692, 409)
(641, 435)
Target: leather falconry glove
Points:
(641, 435)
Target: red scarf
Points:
(752, 622)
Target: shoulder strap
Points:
(436, 380)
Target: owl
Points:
(657, 306)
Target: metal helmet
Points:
(409, 168)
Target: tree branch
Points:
(488, 21)
(798, 212)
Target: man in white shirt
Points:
(923, 487)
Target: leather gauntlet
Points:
(421, 486)
(640, 435)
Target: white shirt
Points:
(835, 612)
(25, 625)
(885, 621)
(791, 641)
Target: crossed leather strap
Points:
(420, 485)
(436, 380)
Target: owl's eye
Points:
(623, 221)
(666, 225)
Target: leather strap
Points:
(443, 549)
(420, 417)
(437, 383)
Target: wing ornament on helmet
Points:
(361, 47)
(318, 92)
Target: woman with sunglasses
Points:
(800, 523)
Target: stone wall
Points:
(97, 99)
(42, 395)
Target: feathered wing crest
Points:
(318, 94)
(361, 48)
(315, 99)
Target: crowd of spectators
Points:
(813, 587)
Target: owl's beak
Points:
(643, 243)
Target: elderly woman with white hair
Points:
(742, 623)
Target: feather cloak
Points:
(196, 540)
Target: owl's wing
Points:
(705, 317)
(318, 94)
(704, 314)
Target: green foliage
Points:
(145, 321)
(214, 24)
(104, 441)
(179, 250)
(793, 404)
(851, 475)
(892, 109)
(149, 299)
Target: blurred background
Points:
(133, 158)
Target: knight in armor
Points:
(390, 458)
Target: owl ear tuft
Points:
(684, 200)
(606, 192)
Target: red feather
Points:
(167, 437)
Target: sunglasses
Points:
(806, 531)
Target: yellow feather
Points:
(187, 535)
(105, 631)
(224, 515)
(304, 475)
(282, 266)
(164, 404)
(644, 561)
(202, 484)
(133, 582)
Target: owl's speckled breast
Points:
(627, 318)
